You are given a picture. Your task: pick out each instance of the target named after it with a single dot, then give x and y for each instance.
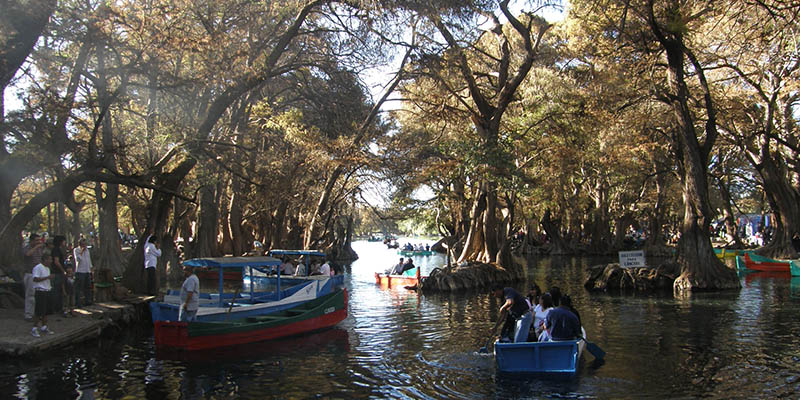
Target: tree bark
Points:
(700, 268)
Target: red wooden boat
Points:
(228, 274)
(387, 281)
(760, 263)
(320, 313)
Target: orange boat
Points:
(397, 281)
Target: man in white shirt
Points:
(325, 269)
(190, 295)
(41, 286)
(151, 254)
(287, 268)
(83, 274)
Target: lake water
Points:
(399, 344)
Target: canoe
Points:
(386, 281)
(320, 313)
(761, 263)
(415, 252)
(552, 358)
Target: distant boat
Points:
(415, 252)
(723, 252)
(320, 313)
(553, 358)
(392, 245)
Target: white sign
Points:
(631, 259)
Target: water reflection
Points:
(402, 344)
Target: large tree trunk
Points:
(158, 215)
(728, 215)
(552, 227)
(785, 200)
(109, 255)
(236, 217)
(700, 268)
(205, 236)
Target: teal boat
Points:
(415, 252)
(794, 266)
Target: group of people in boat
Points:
(298, 267)
(540, 316)
(416, 247)
(404, 265)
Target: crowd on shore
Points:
(57, 278)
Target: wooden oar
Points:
(228, 314)
(596, 351)
(485, 349)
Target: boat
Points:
(392, 245)
(289, 290)
(230, 274)
(794, 267)
(323, 312)
(415, 252)
(723, 252)
(410, 279)
(761, 263)
(553, 358)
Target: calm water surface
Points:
(398, 344)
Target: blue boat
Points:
(560, 358)
(289, 291)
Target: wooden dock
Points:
(88, 323)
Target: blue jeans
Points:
(522, 326)
(188, 316)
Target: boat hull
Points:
(553, 358)
(395, 281)
(324, 313)
(761, 263)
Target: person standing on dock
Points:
(151, 254)
(32, 253)
(518, 309)
(190, 295)
(41, 286)
(83, 274)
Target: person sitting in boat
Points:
(301, 269)
(408, 247)
(325, 269)
(540, 313)
(562, 324)
(566, 301)
(427, 247)
(407, 266)
(518, 310)
(286, 267)
(397, 269)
